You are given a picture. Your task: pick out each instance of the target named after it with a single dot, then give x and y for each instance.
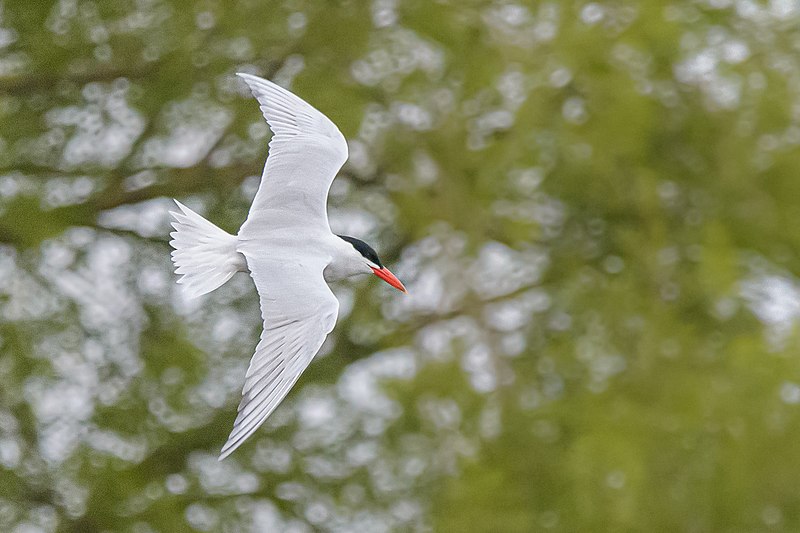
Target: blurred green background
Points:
(594, 206)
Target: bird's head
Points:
(372, 263)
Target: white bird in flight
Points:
(287, 247)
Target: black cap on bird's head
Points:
(363, 248)
(370, 255)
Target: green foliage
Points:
(593, 205)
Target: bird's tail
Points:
(205, 256)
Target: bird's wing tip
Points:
(251, 78)
(180, 205)
(256, 84)
(175, 214)
(226, 451)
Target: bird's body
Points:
(287, 247)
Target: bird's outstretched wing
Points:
(305, 153)
(299, 311)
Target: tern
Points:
(287, 247)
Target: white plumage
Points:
(299, 311)
(205, 255)
(305, 153)
(288, 248)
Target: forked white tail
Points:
(205, 256)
